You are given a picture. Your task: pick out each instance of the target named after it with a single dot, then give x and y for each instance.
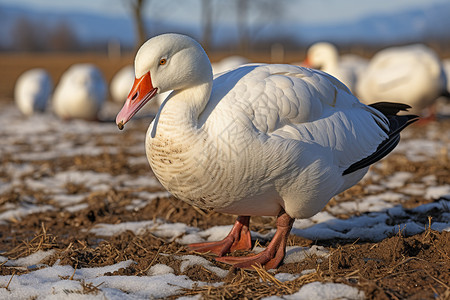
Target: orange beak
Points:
(141, 92)
(306, 63)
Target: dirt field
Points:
(403, 264)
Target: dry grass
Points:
(41, 241)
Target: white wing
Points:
(293, 103)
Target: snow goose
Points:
(411, 74)
(325, 57)
(32, 91)
(80, 93)
(260, 140)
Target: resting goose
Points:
(411, 74)
(259, 140)
(120, 85)
(228, 63)
(80, 93)
(32, 91)
(325, 57)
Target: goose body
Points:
(411, 74)
(80, 93)
(264, 138)
(258, 140)
(32, 91)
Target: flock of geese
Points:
(412, 74)
(255, 139)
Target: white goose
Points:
(325, 57)
(275, 140)
(80, 93)
(32, 91)
(411, 74)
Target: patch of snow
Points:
(298, 254)
(145, 198)
(436, 192)
(373, 188)
(373, 226)
(397, 180)
(160, 269)
(103, 229)
(77, 207)
(283, 277)
(191, 260)
(326, 291)
(66, 200)
(23, 210)
(414, 189)
(47, 283)
(30, 260)
(158, 228)
(371, 203)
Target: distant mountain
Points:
(405, 26)
(409, 25)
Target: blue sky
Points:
(311, 11)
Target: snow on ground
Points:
(57, 282)
(43, 137)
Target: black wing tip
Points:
(390, 108)
(397, 124)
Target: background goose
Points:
(411, 74)
(275, 140)
(229, 63)
(32, 91)
(80, 93)
(121, 84)
(324, 56)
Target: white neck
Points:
(174, 144)
(182, 108)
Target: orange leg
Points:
(238, 239)
(273, 255)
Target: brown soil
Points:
(398, 267)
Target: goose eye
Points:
(162, 61)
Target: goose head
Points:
(163, 63)
(321, 56)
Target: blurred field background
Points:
(55, 35)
